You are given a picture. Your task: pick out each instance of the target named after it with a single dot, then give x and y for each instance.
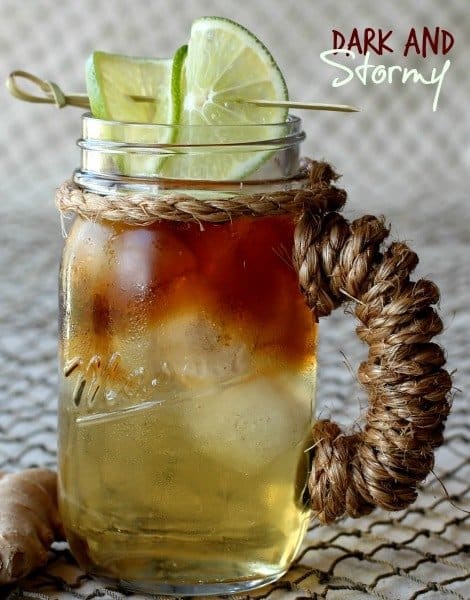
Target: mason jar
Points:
(187, 360)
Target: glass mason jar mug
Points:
(188, 369)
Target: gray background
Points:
(397, 157)
(397, 145)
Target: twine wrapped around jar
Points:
(340, 262)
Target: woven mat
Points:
(421, 552)
(415, 162)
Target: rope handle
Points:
(407, 386)
(337, 262)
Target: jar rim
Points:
(111, 149)
(294, 119)
(159, 135)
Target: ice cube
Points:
(198, 352)
(171, 361)
(145, 259)
(250, 424)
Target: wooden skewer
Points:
(272, 103)
(302, 105)
(52, 94)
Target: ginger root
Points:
(29, 521)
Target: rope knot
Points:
(53, 91)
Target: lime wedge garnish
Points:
(114, 80)
(201, 96)
(225, 65)
(137, 90)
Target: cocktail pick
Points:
(301, 105)
(273, 103)
(52, 94)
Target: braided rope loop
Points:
(338, 262)
(407, 387)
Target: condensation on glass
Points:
(187, 357)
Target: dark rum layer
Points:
(240, 273)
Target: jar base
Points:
(192, 589)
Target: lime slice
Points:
(225, 65)
(137, 90)
(113, 81)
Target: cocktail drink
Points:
(189, 368)
(187, 356)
